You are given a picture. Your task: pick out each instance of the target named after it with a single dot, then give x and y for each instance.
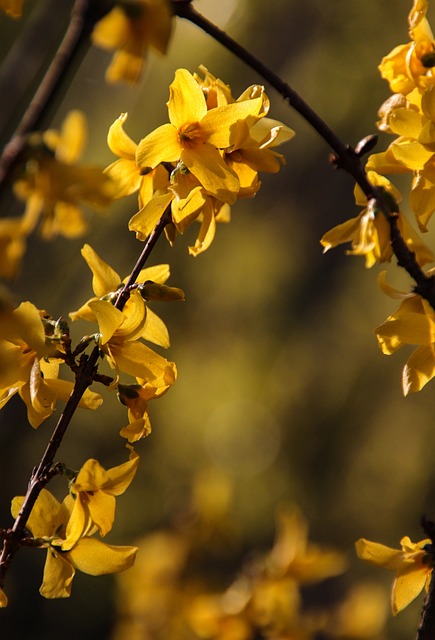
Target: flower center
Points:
(190, 135)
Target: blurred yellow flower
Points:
(413, 564)
(13, 234)
(13, 8)
(54, 186)
(130, 28)
(3, 599)
(48, 522)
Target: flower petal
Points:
(97, 558)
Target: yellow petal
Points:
(43, 517)
(161, 145)
(378, 554)
(155, 330)
(73, 137)
(406, 122)
(96, 558)
(157, 273)
(58, 576)
(105, 279)
(119, 142)
(125, 174)
(209, 168)
(108, 317)
(186, 103)
(144, 221)
(344, 232)
(419, 369)
(206, 232)
(221, 124)
(120, 477)
(410, 581)
(139, 361)
(411, 154)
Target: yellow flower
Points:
(13, 8)
(48, 522)
(136, 397)
(30, 365)
(120, 330)
(52, 184)
(131, 27)
(94, 491)
(413, 323)
(369, 232)
(125, 173)
(410, 65)
(413, 564)
(196, 135)
(294, 556)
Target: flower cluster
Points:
(167, 590)
(54, 187)
(409, 115)
(119, 334)
(66, 529)
(202, 161)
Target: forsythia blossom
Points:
(54, 186)
(202, 161)
(119, 331)
(30, 359)
(413, 564)
(413, 323)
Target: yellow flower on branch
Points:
(94, 491)
(411, 65)
(130, 28)
(30, 360)
(54, 186)
(370, 233)
(136, 397)
(413, 564)
(120, 331)
(48, 523)
(413, 323)
(196, 135)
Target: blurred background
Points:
(283, 396)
